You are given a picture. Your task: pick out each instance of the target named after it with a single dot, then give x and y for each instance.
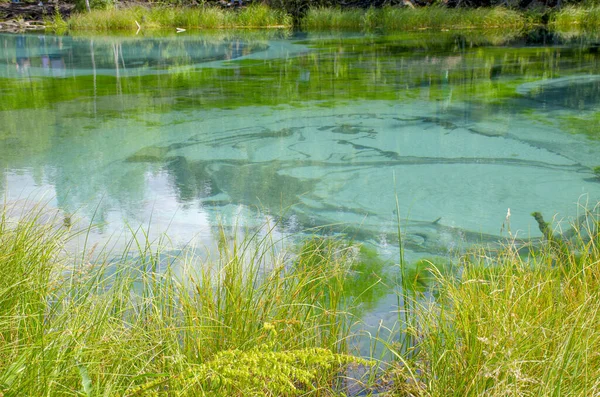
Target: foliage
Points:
(250, 322)
(576, 17)
(259, 371)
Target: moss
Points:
(149, 154)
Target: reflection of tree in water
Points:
(45, 52)
(258, 185)
(190, 179)
(59, 54)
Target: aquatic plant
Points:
(596, 171)
(422, 274)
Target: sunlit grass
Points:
(387, 18)
(255, 319)
(576, 17)
(402, 19)
(528, 323)
(173, 17)
(145, 320)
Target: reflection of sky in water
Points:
(56, 56)
(456, 165)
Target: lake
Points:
(317, 132)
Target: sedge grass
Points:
(513, 325)
(405, 19)
(145, 321)
(159, 17)
(255, 321)
(321, 18)
(576, 17)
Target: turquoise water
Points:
(182, 133)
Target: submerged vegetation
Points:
(256, 320)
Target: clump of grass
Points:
(529, 324)
(175, 17)
(56, 23)
(146, 321)
(576, 17)
(255, 320)
(107, 19)
(403, 19)
(455, 18)
(326, 18)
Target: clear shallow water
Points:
(187, 132)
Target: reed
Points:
(255, 319)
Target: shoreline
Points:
(387, 19)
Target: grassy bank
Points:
(260, 16)
(403, 19)
(577, 18)
(255, 321)
(515, 325)
(158, 17)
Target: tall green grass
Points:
(402, 19)
(247, 322)
(257, 320)
(576, 17)
(255, 16)
(512, 324)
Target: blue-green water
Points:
(186, 132)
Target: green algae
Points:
(587, 124)
(448, 68)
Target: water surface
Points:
(186, 132)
